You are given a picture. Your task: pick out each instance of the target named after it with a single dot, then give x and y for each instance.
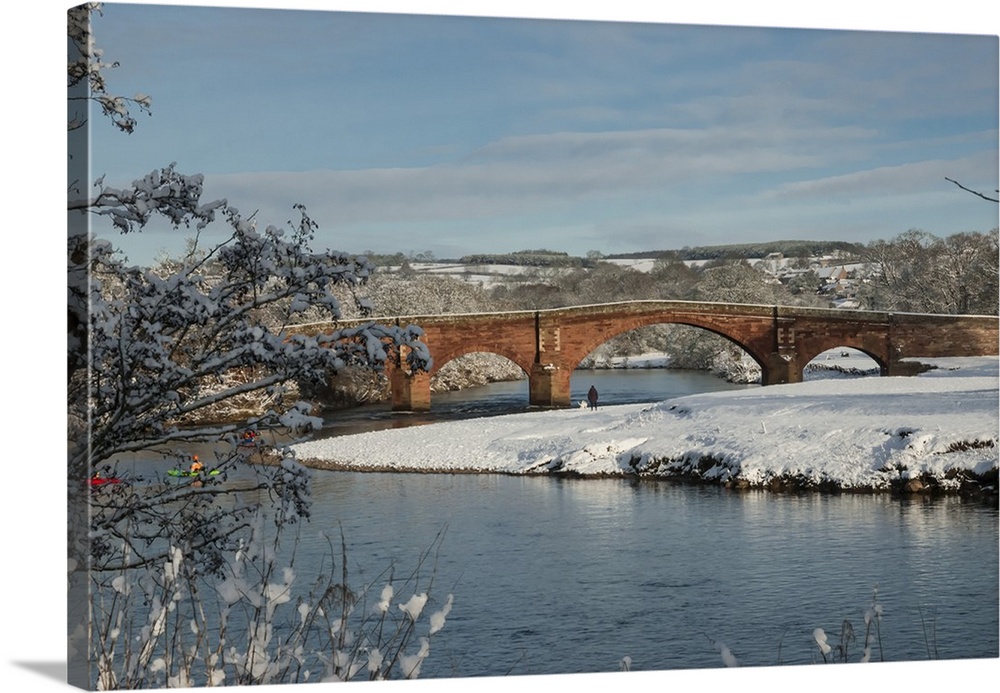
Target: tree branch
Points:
(974, 192)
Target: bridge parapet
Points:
(549, 344)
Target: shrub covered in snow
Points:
(155, 358)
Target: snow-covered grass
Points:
(650, 360)
(845, 362)
(168, 624)
(938, 430)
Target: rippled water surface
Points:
(620, 386)
(558, 576)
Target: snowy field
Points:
(853, 433)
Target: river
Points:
(616, 386)
(559, 575)
(553, 575)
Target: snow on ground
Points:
(853, 433)
(650, 360)
(639, 264)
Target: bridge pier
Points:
(782, 367)
(410, 391)
(548, 386)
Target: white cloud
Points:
(516, 175)
(917, 177)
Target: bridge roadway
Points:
(549, 344)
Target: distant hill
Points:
(749, 250)
(552, 258)
(527, 258)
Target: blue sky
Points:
(461, 135)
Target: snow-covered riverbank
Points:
(934, 432)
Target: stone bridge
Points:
(549, 344)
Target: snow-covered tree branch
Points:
(163, 351)
(192, 352)
(150, 350)
(86, 78)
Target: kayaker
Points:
(196, 465)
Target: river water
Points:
(555, 576)
(616, 386)
(559, 575)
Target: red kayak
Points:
(101, 481)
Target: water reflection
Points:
(554, 575)
(615, 386)
(560, 575)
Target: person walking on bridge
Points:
(592, 397)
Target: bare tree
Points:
(965, 273)
(898, 271)
(919, 272)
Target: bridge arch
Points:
(836, 360)
(574, 358)
(447, 355)
(549, 344)
(808, 357)
(757, 330)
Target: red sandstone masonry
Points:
(549, 344)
